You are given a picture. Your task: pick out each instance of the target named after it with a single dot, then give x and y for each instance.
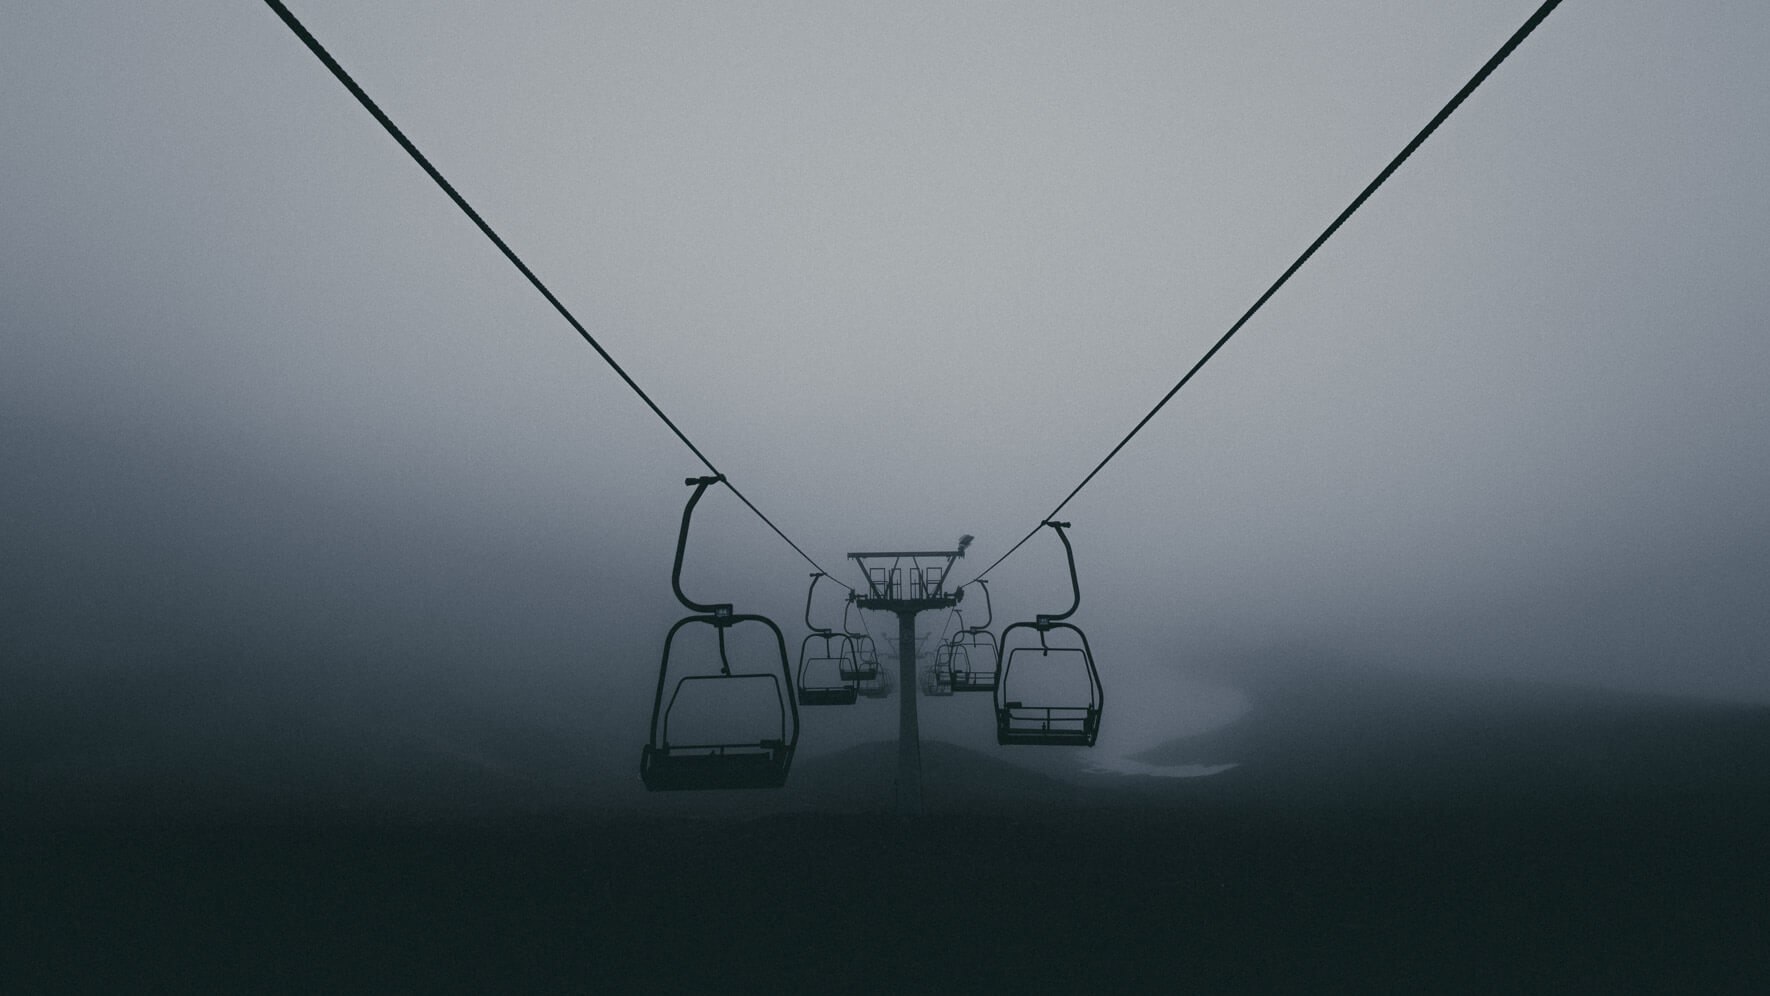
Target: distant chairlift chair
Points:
(826, 671)
(864, 668)
(1075, 719)
(722, 762)
(975, 652)
(937, 678)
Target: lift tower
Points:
(906, 582)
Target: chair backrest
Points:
(718, 709)
(1057, 678)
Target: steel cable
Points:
(1394, 164)
(362, 97)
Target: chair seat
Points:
(826, 696)
(726, 766)
(1078, 728)
(1047, 738)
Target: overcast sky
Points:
(903, 271)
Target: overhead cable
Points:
(325, 57)
(1394, 164)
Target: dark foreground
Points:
(1590, 894)
(1494, 847)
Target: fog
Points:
(287, 442)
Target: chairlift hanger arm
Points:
(808, 623)
(700, 485)
(989, 613)
(1074, 585)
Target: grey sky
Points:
(905, 272)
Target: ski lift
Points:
(864, 666)
(880, 687)
(937, 677)
(821, 669)
(1061, 679)
(975, 652)
(935, 683)
(717, 756)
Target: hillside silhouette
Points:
(1395, 831)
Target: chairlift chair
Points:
(975, 652)
(722, 761)
(822, 669)
(934, 684)
(881, 683)
(941, 671)
(937, 675)
(864, 666)
(1074, 720)
(937, 678)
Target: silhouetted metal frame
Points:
(1058, 725)
(846, 689)
(977, 637)
(887, 583)
(866, 658)
(943, 659)
(976, 679)
(937, 678)
(763, 763)
(1008, 713)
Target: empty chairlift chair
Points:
(736, 730)
(1048, 694)
(827, 663)
(874, 682)
(975, 652)
(937, 678)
